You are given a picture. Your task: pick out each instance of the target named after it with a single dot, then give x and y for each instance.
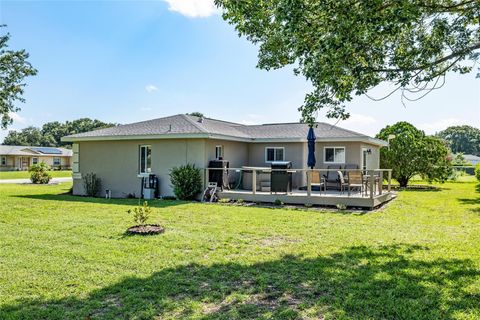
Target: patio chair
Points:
(332, 177)
(349, 166)
(342, 182)
(318, 182)
(355, 180)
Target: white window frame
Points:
(334, 147)
(218, 155)
(147, 169)
(274, 154)
(35, 160)
(59, 161)
(3, 161)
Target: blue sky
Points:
(122, 61)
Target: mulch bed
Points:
(147, 229)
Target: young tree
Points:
(464, 139)
(14, 68)
(347, 47)
(411, 152)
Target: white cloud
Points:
(151, 88)
(439, 125)
(193, 8)
(18, 118)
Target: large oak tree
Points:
(14, 68)
(344, 48)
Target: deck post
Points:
(309, 182)
(389, 180)
(205, 178)
(254, 181)
(380, 183)
(372, 182)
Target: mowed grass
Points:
(65, 257)
(5, 175)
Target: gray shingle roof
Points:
(26, 151)
(182, 124)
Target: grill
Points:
(219, 176)
(281, 181)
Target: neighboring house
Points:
(121, 155)
(472, 159)
(13, 158)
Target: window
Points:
(56, 161)
(334, 155)
(145, 159)
(218, 152)
(34, 160)
(274, 154)
(4, 161)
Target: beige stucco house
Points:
(14, 158)
(122, 155)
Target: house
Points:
(122, 155)
(471, 159)
(14, 158)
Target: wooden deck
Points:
(330, 198)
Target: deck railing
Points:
(247, 179)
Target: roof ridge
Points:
(195, 123)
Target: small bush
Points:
(141, 214)
(240, 201)
(186, 181)
(39, 173)
(477, 171)
(341, 206)
(92, 184)
(278, 202)
(224, 200)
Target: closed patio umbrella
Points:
(311, 148)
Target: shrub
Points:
(39, 173)
(240, 200)
(186, 181)
(341, 206)
(141, 213)
(477, 171)
(92, 184)
(224, 200)
(278, 202)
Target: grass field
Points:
(26, 175)
(65, 257)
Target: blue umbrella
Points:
(311, 148)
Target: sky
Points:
(128, 61)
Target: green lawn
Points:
(26, 174)
(64, 257)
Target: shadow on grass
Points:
(70, 198)
(360, 282)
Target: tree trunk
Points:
(403, 181)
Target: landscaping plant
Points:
(477, 171)
(141, 214)
(39, 173)
(92, 184)
(186, 181)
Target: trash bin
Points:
(150, 188)
(217, 175)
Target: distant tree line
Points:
(462, 139)
(50, 134)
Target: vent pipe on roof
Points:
(200, 119)
(170, 128)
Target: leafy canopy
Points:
(51, 133)
(347, 47)
(462, 139)
(14, 68)
(410, 152)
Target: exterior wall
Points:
(10, 165)
(116, 163)
(353, 154)
(235, 152)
